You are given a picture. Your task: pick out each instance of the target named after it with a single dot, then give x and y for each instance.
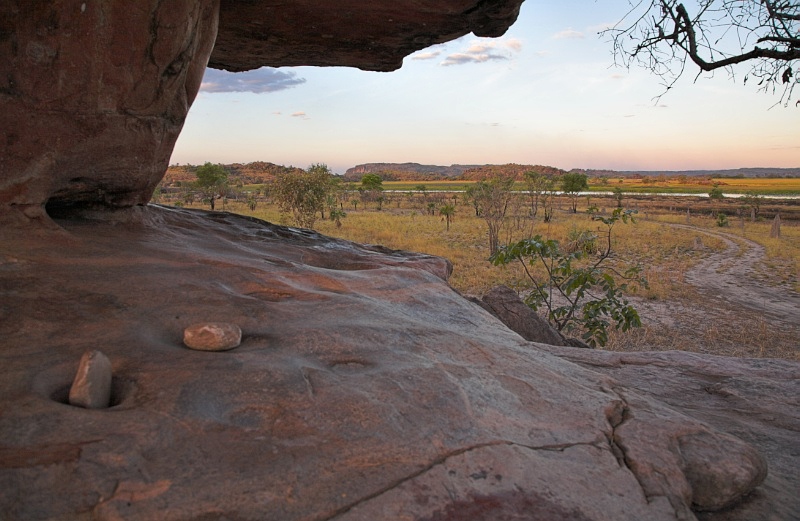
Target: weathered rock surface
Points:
(757, 400)
(212, 336)
(504, 303)
(368, 35)
(91, 387)
(364, 385)
(93, 95)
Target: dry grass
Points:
(665, 252)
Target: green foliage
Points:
(303, 194)
(336, 215)
(572, 183)
(716, 193)
(618, 194)
(722, 220)
(372, 182)
(447, 211)
(579, 290)
(212, 181)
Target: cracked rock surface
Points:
(364, 388)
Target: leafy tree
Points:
(372, 182)
(336, 215)
(448, 210)
(212, 181)
(371, 189)
(716, 193)
(303, 194)
(661, 35)
(572, 183)
(618, 196)
(578, 291)
(491, 198)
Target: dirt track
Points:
(738, 310)
(730, 275)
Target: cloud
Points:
(480, 51)
(300, 114)
(568, 34)
(426, 55)
(258, 81)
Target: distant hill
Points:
(418, 172)
(406, 171)
(737, 172)
(257, 172)
(511, 169)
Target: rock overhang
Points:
(94, 94)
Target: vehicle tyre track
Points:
(729, 275)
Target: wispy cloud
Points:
(429, 55)
(300, 114)
(258, 81)
(568, 34)
(480, 51)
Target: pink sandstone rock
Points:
(401, 397)
(91, 387)
(212, 336)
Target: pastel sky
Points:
(547, 92)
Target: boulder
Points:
(756, 400)
(364, 385)
(504, 303)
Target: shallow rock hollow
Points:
(401, 397)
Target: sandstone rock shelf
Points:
(363, 384)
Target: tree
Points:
(303, 194)
(572, 184)
(212, 181)
(536, 183)
(491, 198)
(716, 193)
(447, 211)
(372, 182)
(578, 291)
(371, 188)
(618, 194)
(661, 35)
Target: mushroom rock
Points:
(94, 94)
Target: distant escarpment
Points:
(418, 172)
(406, 171)
(257, 172)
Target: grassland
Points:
(761, 186)
(665, 251)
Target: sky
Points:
(547, 92)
